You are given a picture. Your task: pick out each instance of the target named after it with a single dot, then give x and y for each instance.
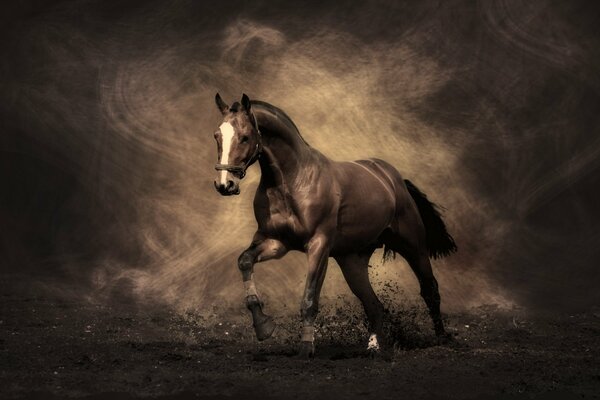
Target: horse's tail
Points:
(439, 241)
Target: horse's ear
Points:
(246, 102)
(223, 107)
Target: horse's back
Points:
(389, 175)
(383, 169)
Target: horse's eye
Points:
(216, 134)
(244, 139)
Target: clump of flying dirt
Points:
(406, 325)
(341, 323)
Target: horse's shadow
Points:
(335, 351)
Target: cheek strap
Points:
(240, 170)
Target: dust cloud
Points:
(488, 108)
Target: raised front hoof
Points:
(306, 351)
(264, 328)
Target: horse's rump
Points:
(438, 241)
(367, 204)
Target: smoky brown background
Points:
(107, 115)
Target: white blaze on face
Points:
(227, 133)
(373, 343)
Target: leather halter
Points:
(240, 170)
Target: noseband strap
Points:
(240, 170)
(234, 169)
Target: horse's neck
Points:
(284, 152)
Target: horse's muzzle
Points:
(228, 189)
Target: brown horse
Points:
(325, 208)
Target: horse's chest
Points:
(282, 223)
(276, 216)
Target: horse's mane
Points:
(280, 114)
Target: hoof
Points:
(445, 338)
(379, 355)
(264, 329)
(307, 351)
(375, 347)
(373, 354)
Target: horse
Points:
(324, 208)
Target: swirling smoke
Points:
(108, 114)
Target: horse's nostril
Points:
(229, 185)
(221, 188)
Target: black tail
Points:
(439, 241)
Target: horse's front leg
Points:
(262, 249)
(318, 254)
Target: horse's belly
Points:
(359, 231)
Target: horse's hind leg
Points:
(355, 270)
(421, 266)
(412, 248)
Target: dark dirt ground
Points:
(53, 348)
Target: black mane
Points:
(280, 114)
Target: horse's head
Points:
(238, 144)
